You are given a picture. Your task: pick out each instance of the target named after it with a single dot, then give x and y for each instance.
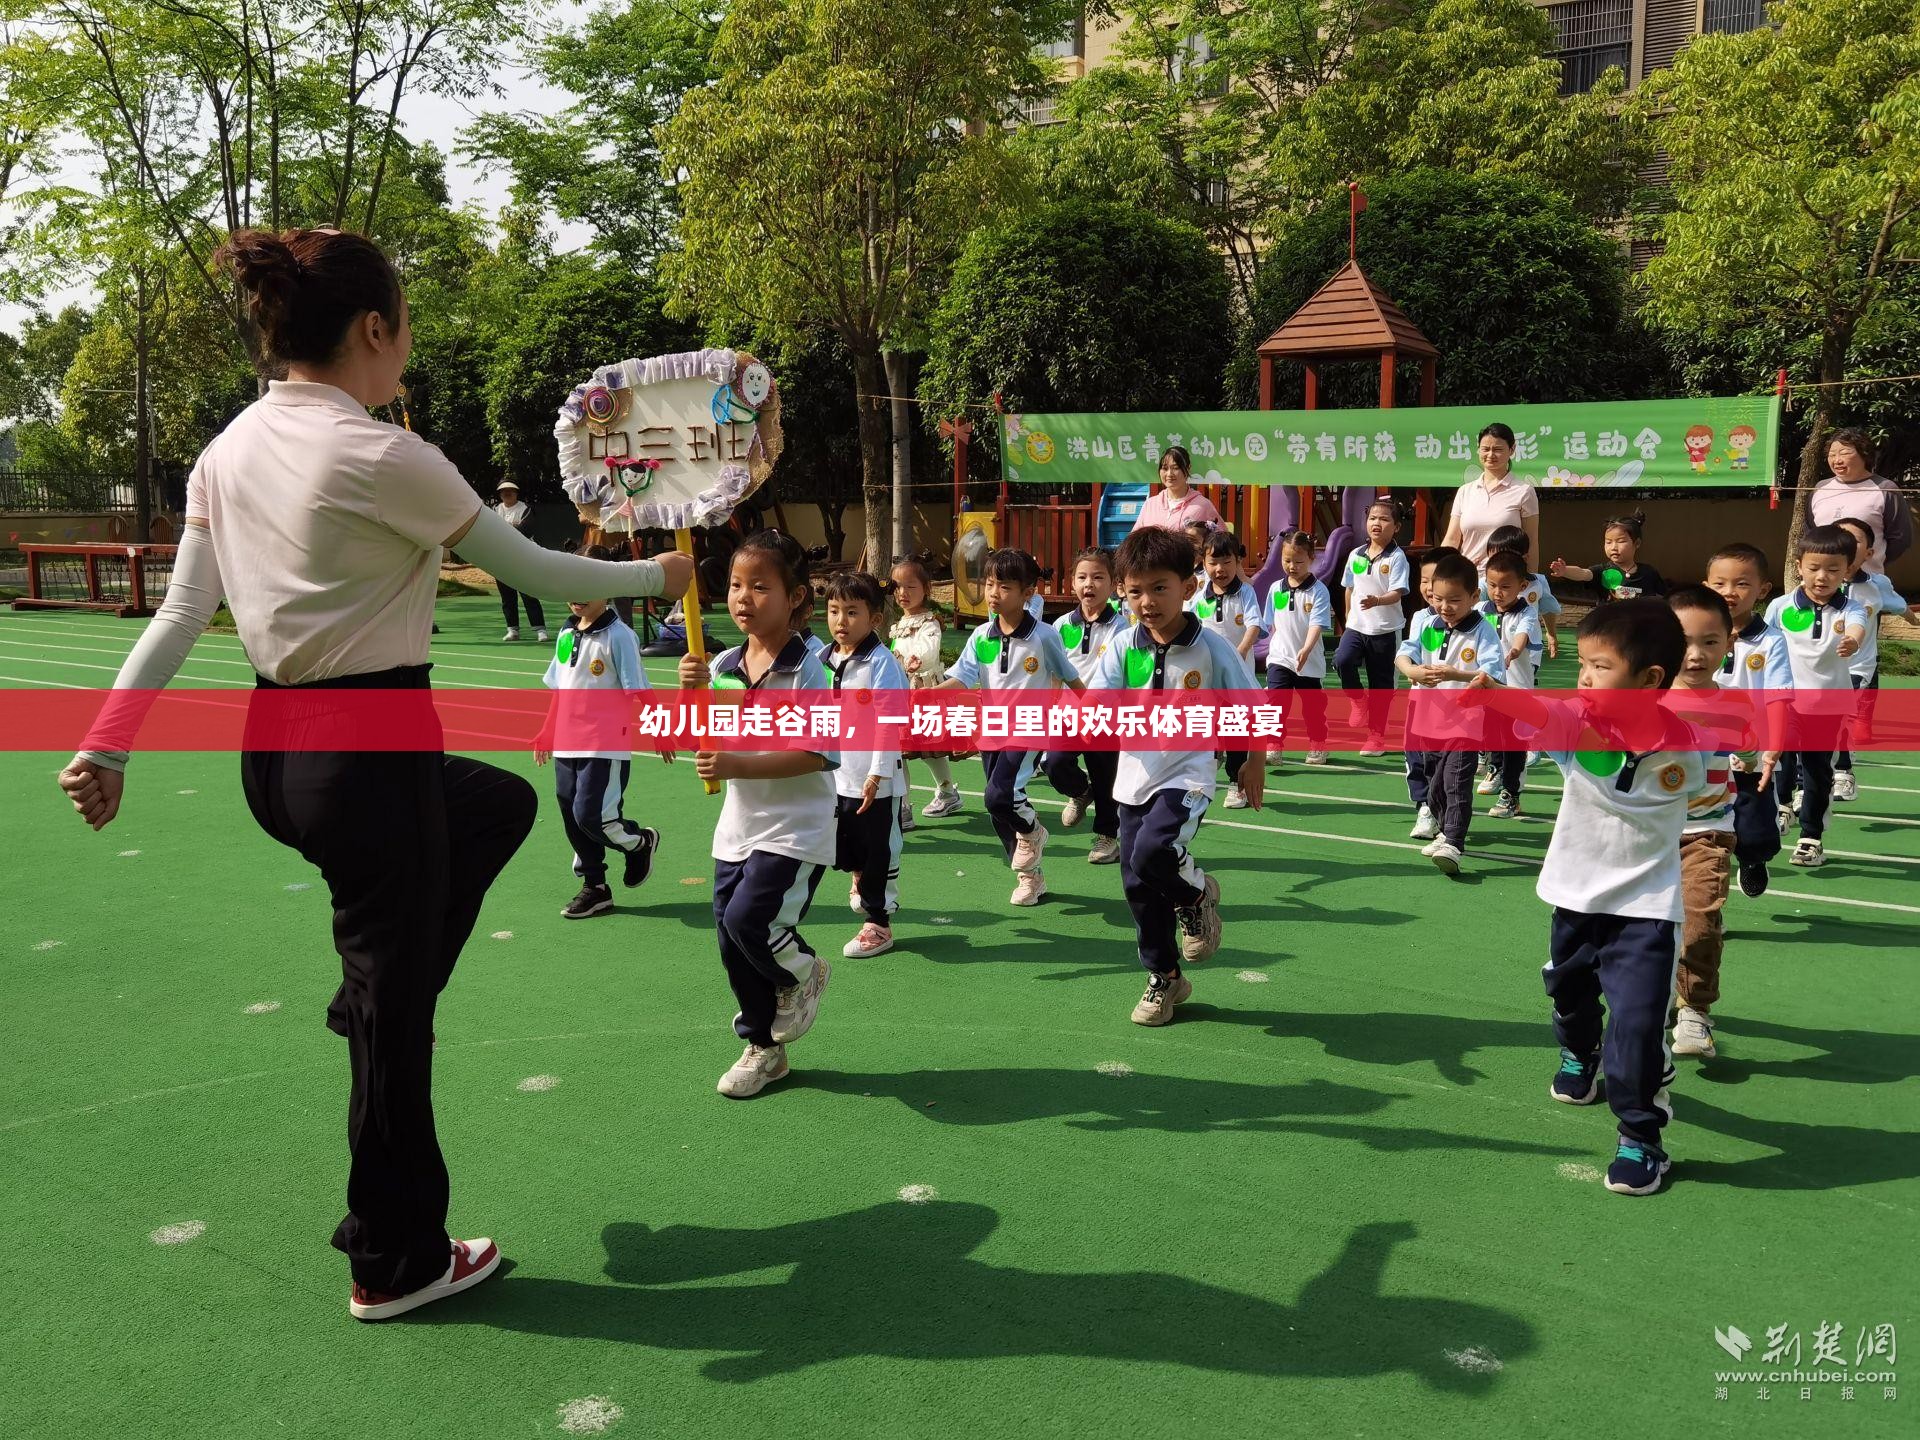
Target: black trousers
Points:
(1512, 768)
(1601, 963)
(1063, 772)
(1756, 828)
(1375, 652)
(869, 846)
(408, 844)
(510, 607)
(1843, 757)
(1312, 709)
(1450, 791)
(1812, 772)
(1157, 873)
(591, 793)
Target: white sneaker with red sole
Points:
(472, 1262)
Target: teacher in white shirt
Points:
(323, 530)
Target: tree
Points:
(835, 165)
(1523, 297)
(598, 160)
(582, 313)
(1795, 162)
(1081, 306)
(33, 364)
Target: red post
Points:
(1387, 361)
(1266, 382)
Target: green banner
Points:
(1625, 444)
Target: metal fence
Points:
(93, 494)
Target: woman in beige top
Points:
(1495, 499)
(323, 529)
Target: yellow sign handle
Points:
(690, 615)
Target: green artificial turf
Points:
(1333, 1198)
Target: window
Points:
(1194, 57)
(1211, 193)
(1733, 17)
(1594, 35)
(1037, 111)
(1071, 44)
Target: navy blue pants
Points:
(758, 904)
(869, 846)
(1843, 758)
(1512, 768)
(1063, 771)
(1008, 772)
(1157, 873)
(1312, 709)
(1601, 963)
(1756, 827)
(1375, 652)
(1812, 772)
(1416, 773)
(590, 793)
(1450, 791)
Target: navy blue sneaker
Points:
(1577, 1081)
(640, 858)
(1637, 1168)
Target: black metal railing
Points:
(92, 493)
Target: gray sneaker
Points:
(1693, 1034)
(1074, 811)
(1105, 851)
(1200, 924)
(1507, 807)
(758, 1067)
(1163, 993)
(947, 800)
(796, 1006)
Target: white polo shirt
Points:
(1367, 576)
(1813, 634)
(792, 817)
(1085, 641)
(1616, 841)
(1470, 643)
(327, 524)
(1875, 596)
(1757, 659)
(1198, 660)
(1030, 658)
(1290, 614)
(604, 656)
(1232, 612)
(871, 666)
(1522, 623)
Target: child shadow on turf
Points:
(899, 1281)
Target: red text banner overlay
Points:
(950, 721)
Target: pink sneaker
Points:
(872, 940)
(1028, 848)
(472, 1262)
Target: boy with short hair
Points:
(1087, 631)
(1874, 593)
(1518, 622)
(868, 785)
(1612, 875)
(1823, 629)
(1457, 648)
(1227, 604)
(1425, 826)
(1539, 589)
(1756, 661)
(596, 651)
(1162, 794)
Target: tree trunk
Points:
(1833, 367)
(142, 418)
(899, 382)
(869, 378)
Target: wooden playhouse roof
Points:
(1349, 315)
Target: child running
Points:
(1163, 793)
(1455, 648)
(776, 835)
(1518, 624)
(1085, 633)
(1425, 827)
(596, 651)
(1228, 605)
(1875, 595)
(1013, 651)
(1377, 582)
(1756, 661)
(1823, 630)
(868, 785)
(1302, 614)
(1621, 576)
(916, 639)
(1539, 591)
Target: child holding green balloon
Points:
(1622, 576)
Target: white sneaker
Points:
(1316, 757)
(543, 637)
(1074, 811)
(509, 636)
(1845, 787)
(1533, 758)
(1431, 846)
(1693, 1034)
(1425, 827)
(1236, 799)
(872, 940)
(1030, 888)
(757, 1068)
(1376, 745)
(1105, 851)
(1489, 784)
(1028, 848)
(1809, 854)
(471, 1262)
(797, 1006)
(1445, 856)
(947, 800)
(1785, 817)
(1200, 924)
(907, 822)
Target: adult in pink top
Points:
(1176, 503)
(1854, 492)
(1492, 501)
